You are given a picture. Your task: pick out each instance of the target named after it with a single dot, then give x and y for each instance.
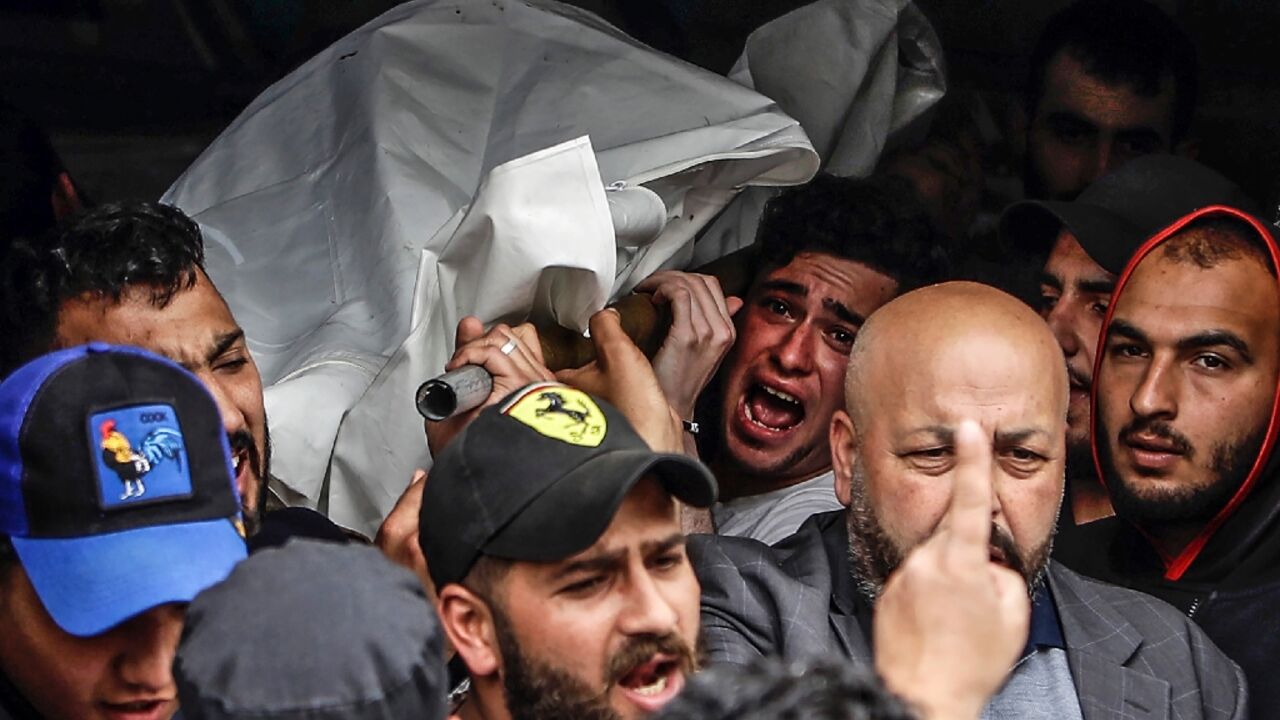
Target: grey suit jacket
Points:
(1131, 656)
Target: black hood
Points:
(1241, 544)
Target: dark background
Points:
(132, 90)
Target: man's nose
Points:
(148, 644)
(233, 419)
(794, 354)
(648, 611)
(1062, 323)
(1156, 394)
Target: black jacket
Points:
(1228, 578)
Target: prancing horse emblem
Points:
(560, 412)
(555, 404)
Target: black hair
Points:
(771, 689)
(1129, 42)
(1210, 241)
(106, 252)
(878, 222)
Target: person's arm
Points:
(950, 623)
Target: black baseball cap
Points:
(116, 487)
(1120, 210)
(538, 477)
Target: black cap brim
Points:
(576, 510)
(1106, 237)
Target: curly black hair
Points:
(105, 252)
(878, 222)
(771, 689)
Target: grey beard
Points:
(874, 556)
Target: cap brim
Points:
(1105, 236)
(92, 583)
(575, 511)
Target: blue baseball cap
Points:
(116, 484)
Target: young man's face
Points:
(122, 674)
(610, 632)
(195, 330)
(1084, 127)
(1074, 294)
(783, 377)
(1186, 386)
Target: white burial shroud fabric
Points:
(434, 164)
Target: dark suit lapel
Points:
(1100, 643)
(853, 642)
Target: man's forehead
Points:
(1178, 294)
(187, 330)
(829, 277)
(1109, 105)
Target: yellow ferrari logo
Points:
(560, 412)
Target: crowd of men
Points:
(877, 485)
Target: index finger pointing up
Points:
(968, 519)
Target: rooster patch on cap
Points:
(131, 465)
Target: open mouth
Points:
(136, 709)
(772, 409)
(1078, 382)
(996, 555)
(240, 459)
(653, 683)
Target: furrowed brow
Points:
(1017, 436)
(1051, 280)
(595, 563)
(940, 433)
(1120, 327)
(1096, 286)
(1211, 338)
(843, 312)
(784, 286)
(223, 343)
(666, 544)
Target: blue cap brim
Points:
(92, 583)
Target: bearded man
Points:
(944, 383)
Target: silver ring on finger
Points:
(509, 347)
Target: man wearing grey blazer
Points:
(924, 367)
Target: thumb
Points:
(734, 304)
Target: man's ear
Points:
(844, 453)
(65, 199)
(468, 623)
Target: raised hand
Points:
(701, 333)
(950, 623)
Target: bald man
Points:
(924, 366)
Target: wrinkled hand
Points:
(701, 333)
(621, 374)
(397, 537)
(510, 372)
(950, 623)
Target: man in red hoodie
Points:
(1185, 408)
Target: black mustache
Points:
(642, 649)
(1003, 541)
(1160, 429)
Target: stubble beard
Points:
(535, 690)
(1230, 463)
(875, 556)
